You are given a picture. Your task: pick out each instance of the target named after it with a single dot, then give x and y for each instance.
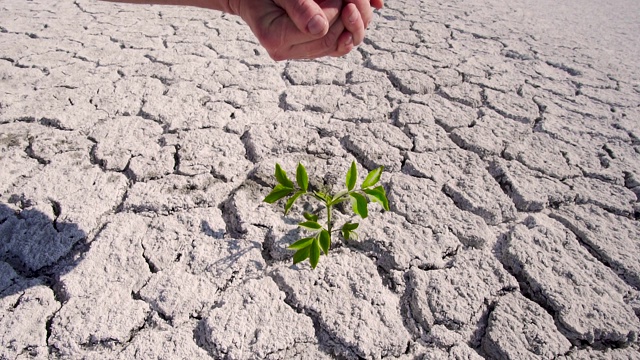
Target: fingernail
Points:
(316, 25)
(349, 40)
(353, 17)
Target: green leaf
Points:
(301, 255)
(345, 234)
(337, 201)
(347, 230)
(338, 198)
(359, 205)
(339, 195)
(301, 244)
(348, 235)
(291, 200)
(278, 192)
(282, 178)
(324, 197)
(310, 216)
(352, 176)
(302, 178)
(325, 241)
(350, 226)
(372, 177)
(378, 195)
(314, 254)
(310, 225)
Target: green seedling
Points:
(320, 239)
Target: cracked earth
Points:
(137, 142)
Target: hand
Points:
(293, 29)
(305, 29)
(363, 8)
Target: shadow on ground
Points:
(33, 245)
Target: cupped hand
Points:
(306, 29)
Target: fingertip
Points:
(351, 12)
(318, 25)
(308, 17)
(364, 14)
(354, 23)
(345, 44)
(349, 40)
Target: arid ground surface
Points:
(137, 144)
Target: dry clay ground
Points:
(136, 145)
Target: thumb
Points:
(306, 15)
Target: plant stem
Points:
(328, 218)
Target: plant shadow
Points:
(206, 228)
(235, 248)
(36, 249)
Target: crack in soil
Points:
(620, 272)
(327, 343)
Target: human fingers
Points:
(307, 15)
(365, 9)
(345, 44)
(378, 4)
(275, 30)
(325, 46)
(352, 20)
(331, 8)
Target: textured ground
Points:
(136, 144)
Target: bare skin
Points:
(295, 29)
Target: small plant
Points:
(310, 247)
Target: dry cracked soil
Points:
(137, 142)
